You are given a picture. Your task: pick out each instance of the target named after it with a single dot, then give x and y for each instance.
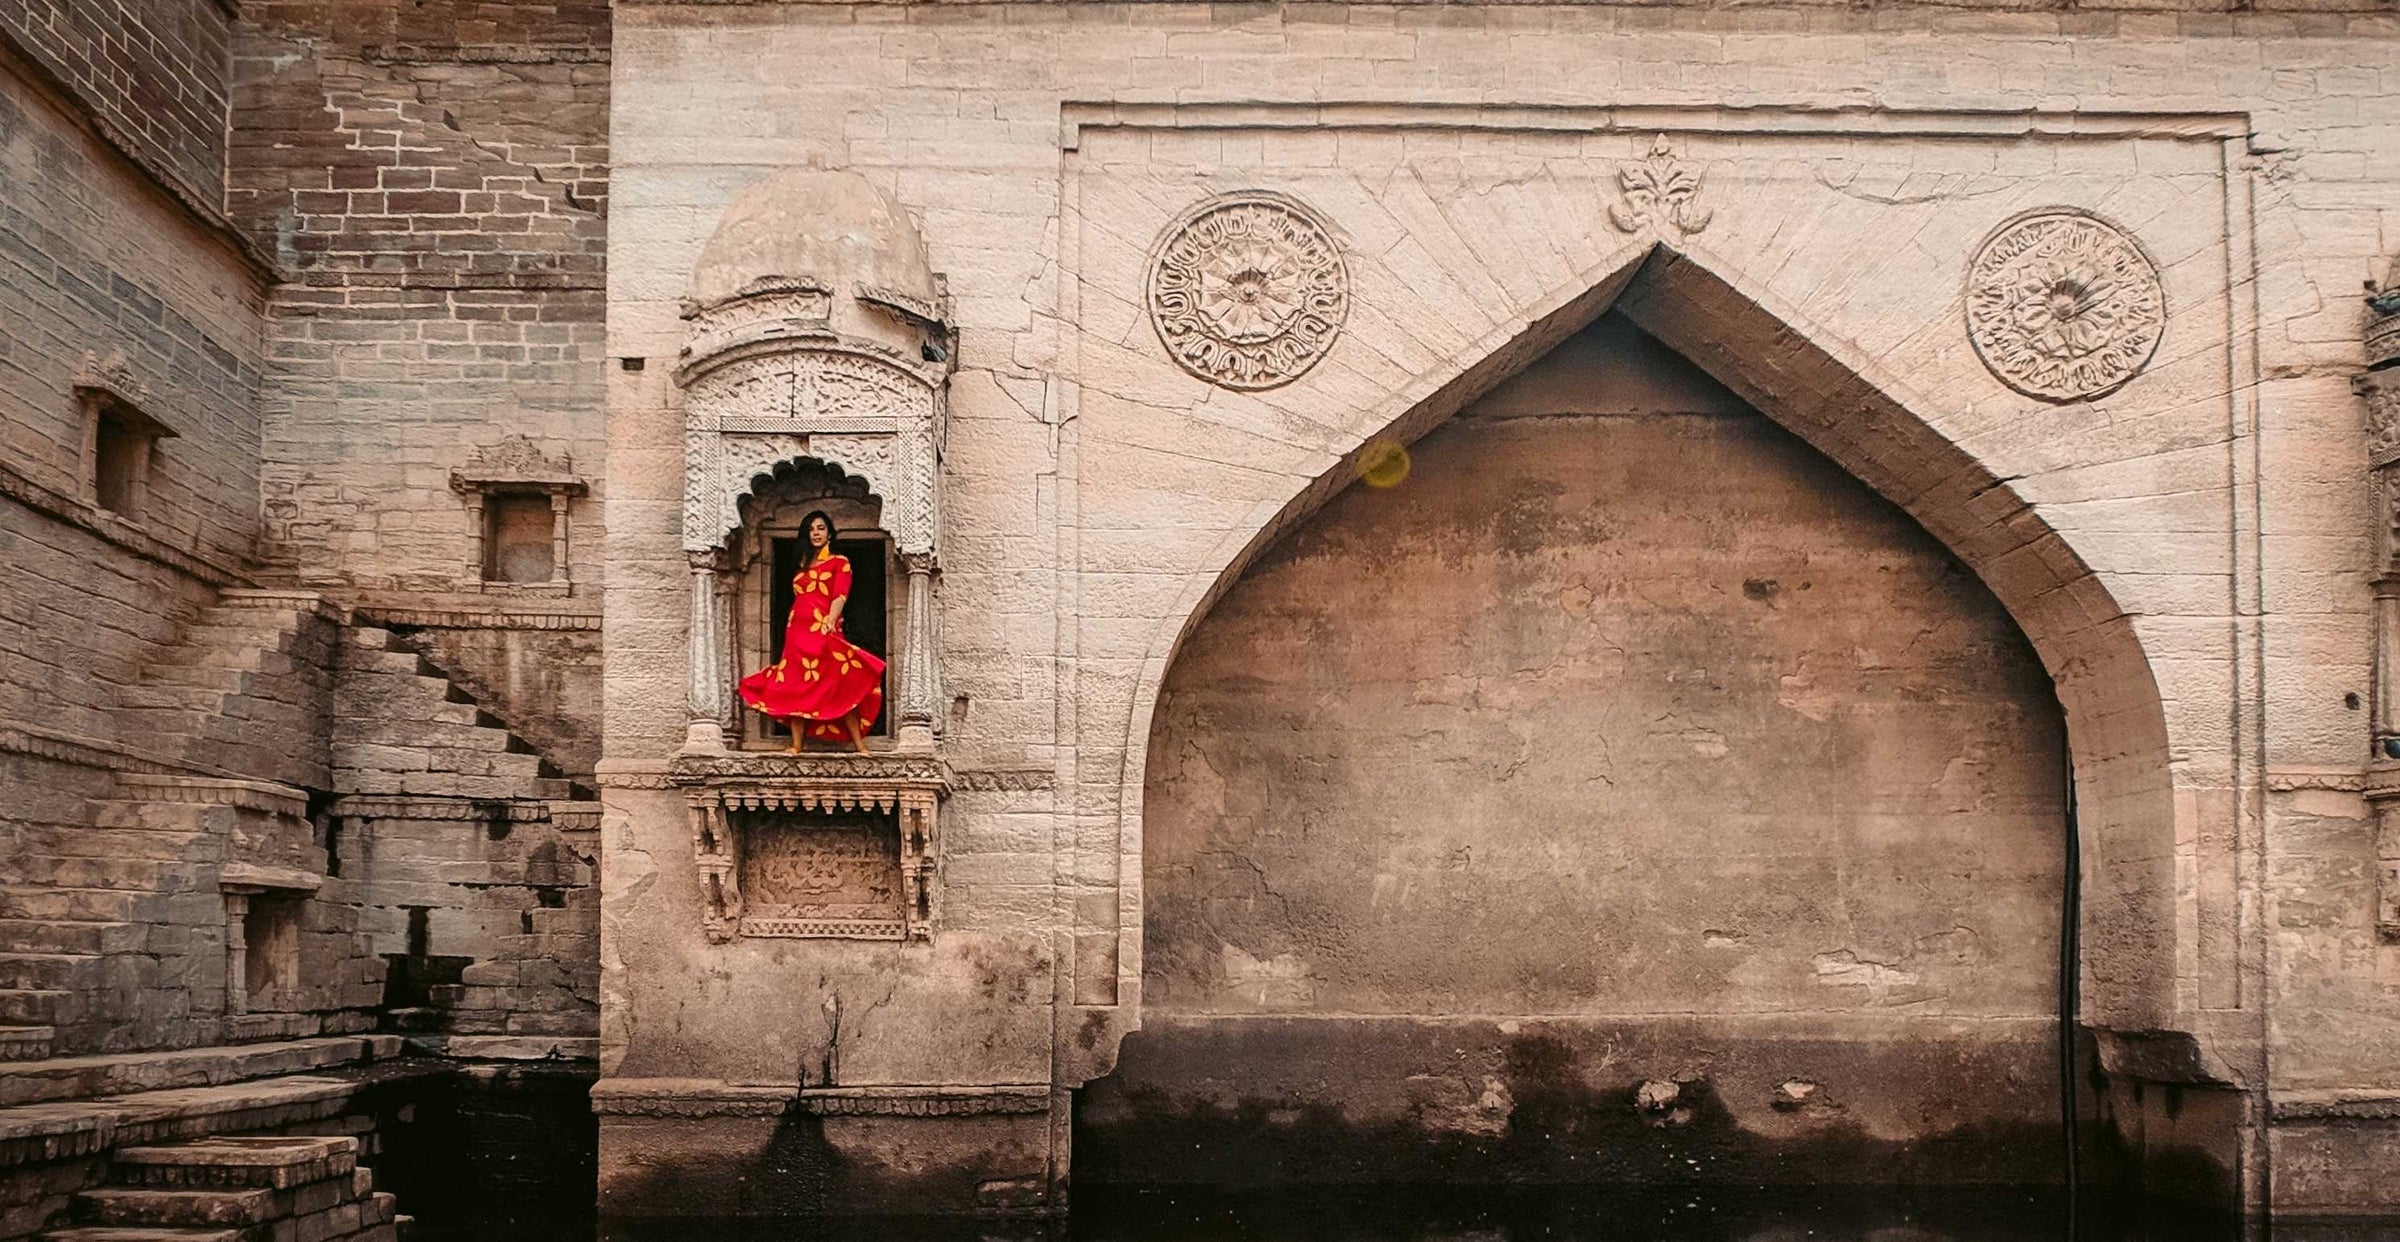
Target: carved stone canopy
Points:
(517, 464)
(819, 331)
(109, 385)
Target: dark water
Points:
(1487, 1215)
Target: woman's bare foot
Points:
(797, 735)
(858, 731)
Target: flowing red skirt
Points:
(821, 678)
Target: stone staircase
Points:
(113, 934)
(236, 1190)
(113, 930)
(244, 692)
(401, 727)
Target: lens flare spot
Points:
(1383, 463)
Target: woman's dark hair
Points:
(817, 515)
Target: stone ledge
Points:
(61, 746)
(76, 1078)
(709, 1097)
(115, 530)
(67, 1129)
(567, 1048)
(2335, 1106)
(265, 797)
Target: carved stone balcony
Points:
(839, 846)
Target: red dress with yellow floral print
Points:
(821, 678)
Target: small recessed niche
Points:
(518, 538)
(518, 501)
(119, 439)
(271, 951)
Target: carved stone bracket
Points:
(831, 846)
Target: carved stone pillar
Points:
(920, 686)
(237, 953)
(710, 660)
(2380, 387)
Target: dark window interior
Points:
(862, 618)
(517, 538)
(117, 465)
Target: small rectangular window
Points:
(517, 543)
(120, 459)
(271, 952)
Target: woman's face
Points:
(818, 532)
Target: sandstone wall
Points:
(150, 75)
(1623, 703)
(1467, 160)
(96, 265)
(434, 180)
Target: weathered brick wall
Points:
(150, 74)
(94, 264)
(434, 179)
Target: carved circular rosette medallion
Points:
(2064, 306)
(1248, 290)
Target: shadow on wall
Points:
(1548, 1115)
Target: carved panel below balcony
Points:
(816, 845)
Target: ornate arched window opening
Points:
(813, 377)
(766, 551)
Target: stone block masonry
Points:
(264, 1189)
(434, 178)
(150, 74)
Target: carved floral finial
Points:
(1660, 193)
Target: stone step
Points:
(190, 1205)
(25, 1043)
(90, 1077)
(142, 875)
(264, 1161)
(70, 936)
(138, 1205)
(141, 1233)
(34, 1007)
(47, 971)
(60, 902)
(119, 833)
(210, 670)
(171, 697)
(379, 660)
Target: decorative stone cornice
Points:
(265, 797)
(468, 619)
(703, 1097)
(1003, 780)
(58, 745)
(517, 464)
(824, 769)
(2335, 1106)
(442, 807)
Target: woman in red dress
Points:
(822, 687)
